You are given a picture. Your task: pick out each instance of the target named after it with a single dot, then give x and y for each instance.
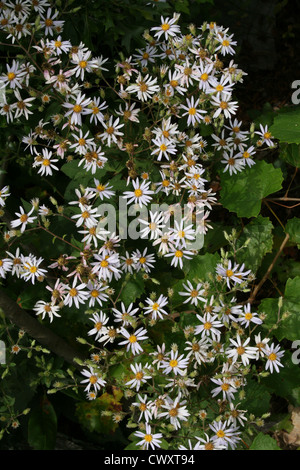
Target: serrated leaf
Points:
(132, 290)
(293, 229)
(259, 232)
(288, 327)
(286, 126)
(264, 442)
(243, 193)
(290, 153)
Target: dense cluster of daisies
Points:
(179, 85)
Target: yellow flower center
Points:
(207, 325)
(165, 26)
(138, 192)
(23, 218)
(48, 22)
(173, 363)
(221, 433)
(225, 387)
(240, 350)
(11, 76)
(46, 162)
(143, 87)
(104, 263)
(248, 316)
(83, 64)
(148, 437)
(93, 379)
(110, 130)
(139, 375)
(73, 292)
(94, 293)
(132, 339)
(57, 43)
(77, 108)
(178, 254)
(81, 142)
(204, 77)
(142, 260)
(192, 111)
(272, 357)
(229, 273)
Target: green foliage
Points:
(42, 426)
(242, 193)
(264, 442)
(288, 323)
(286, 125)
(258, 235)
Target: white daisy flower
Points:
(168, 28)
(6, 265)
(249, 317)
(23, 219)
(224, 435)
(99, 319)
(194, 114)
(75, 294)
(46, 308)
(132, 340)
(144, 87)
(274, 356)
(148, 438)
(112, 133)
(155, 307)
(31, 268)
(145, 408)
(141, 195)
(93, 380)
(210, 326)
(125, 315)
(192, 293)
(176, 364)
(225, 387)
(141, 375)
(176, 411)
(178, 255)
(241, 351)
(154, 227)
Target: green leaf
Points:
(259, 232)
(257, 398)
(264, 442)
(242, 193)
(293, 229)
(286, 125)
(286, 383)
(132, 290)
(42, 426)
(288, 327)
(201, 265)
(290, 153)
